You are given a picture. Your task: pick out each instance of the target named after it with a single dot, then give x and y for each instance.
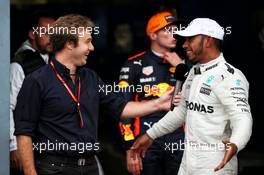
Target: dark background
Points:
(126, 19)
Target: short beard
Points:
(199, 51)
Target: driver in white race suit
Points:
(214, 107)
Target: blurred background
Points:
(122, 34)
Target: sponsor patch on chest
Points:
(205, 91)
(147, 80)
(147, 70)
(199, 107)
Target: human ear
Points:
(31, 35)
(209, 42)
(69, 45)
(153, 36)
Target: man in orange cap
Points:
(153, 71)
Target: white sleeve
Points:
(233, 94)
(16, 79)
(170, 122)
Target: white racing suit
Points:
(214, 107)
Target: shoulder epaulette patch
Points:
(229, 68)
(137, 55)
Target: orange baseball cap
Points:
(158, 21)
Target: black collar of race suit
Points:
(156, 58)
(199, 68)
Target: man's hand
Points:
(177, 99)
(26, 154)
(172, 58)
(231, 150)
(141, 145)
(164, 102)
(133, 109)
(134, 163)
(15, 160)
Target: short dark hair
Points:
(34, 19)
(72, 21)
(218, 43)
